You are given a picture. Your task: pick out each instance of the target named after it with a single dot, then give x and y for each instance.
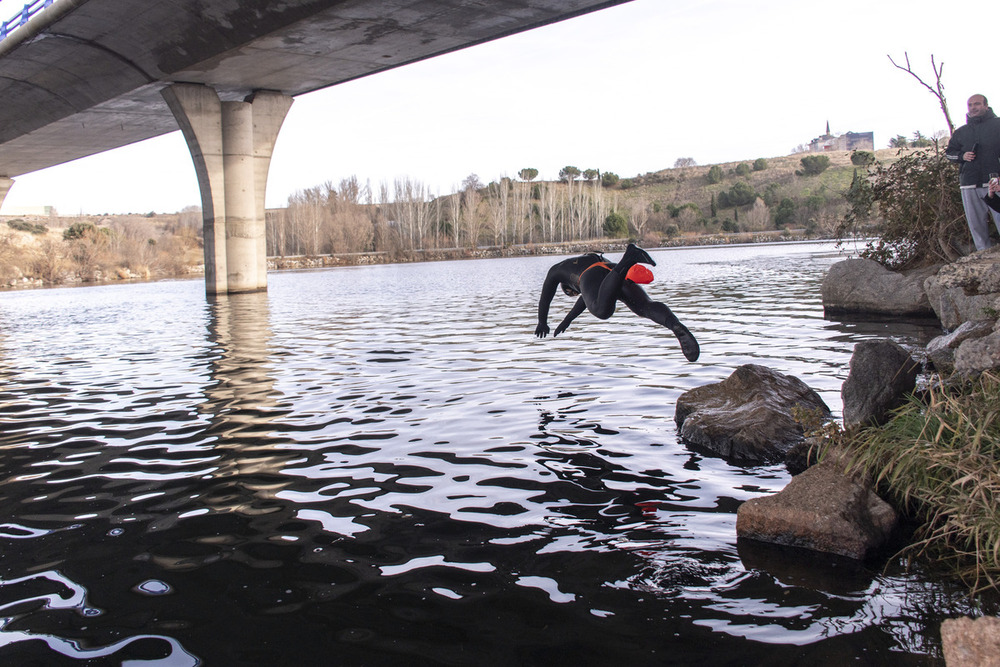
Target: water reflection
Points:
(382, 464)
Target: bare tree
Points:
(455, 213)
(471, 199)
(759, 216)
(639, 209)
(351, 227)
(937, 90)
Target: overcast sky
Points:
(628, 89)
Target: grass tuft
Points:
(939, 460)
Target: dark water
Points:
(382, 465)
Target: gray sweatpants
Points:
(977, 214)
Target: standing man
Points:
(976, 148)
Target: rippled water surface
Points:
(382, 465)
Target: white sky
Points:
(628, 89)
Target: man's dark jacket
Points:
(985, 131)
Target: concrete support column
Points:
(242, 228)
(269, 111)
(5, 186)
(231, 144)
(198, 111)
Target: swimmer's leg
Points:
(602, 305)
(639, 303)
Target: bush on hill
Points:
(813, 165)
(862, 158)
(741, 194)
(20, 225)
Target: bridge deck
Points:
(83, 76)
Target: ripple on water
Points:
(383, 463)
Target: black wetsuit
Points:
(599, 284)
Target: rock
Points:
(823, 509)
(976, 355)
(803, 454)
(748, 416)
(971, 642)
(941, 350)
(863, 286)
(881, 374)
(967, 289)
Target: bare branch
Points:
(937, 91)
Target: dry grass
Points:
(940, 459)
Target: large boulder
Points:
(967, 289)
(941, 350)
(748, 416)
(976, 355)
(881, 375)
(865, 287)
(823, 509)
(971, 642)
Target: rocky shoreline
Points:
(757, 415)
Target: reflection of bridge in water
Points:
(80, 77)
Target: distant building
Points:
(842, 142)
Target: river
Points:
(382, 465)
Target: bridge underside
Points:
(86, 76)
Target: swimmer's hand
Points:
(559, 329)
(542, 330)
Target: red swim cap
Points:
(639, 274)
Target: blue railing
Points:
(23, 16)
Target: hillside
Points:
(817, 199)
(668, 206)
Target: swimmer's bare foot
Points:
(636, 255)
(689, 346)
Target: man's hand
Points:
(969, 156)
(559, 329)
(542, 330)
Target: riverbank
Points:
(609, 246)
(32, 272)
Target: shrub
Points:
(730, 226)
(615, 225)
(862, 158)
(742, 169)
(814, 202)
(609, 179)
(784, 215)
(78, 230)
(760, 164)
(714, 174)
(813, 165)
(20, 225)
(740, 194)
(917, 202)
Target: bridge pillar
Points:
(231, 145)
(5, 185)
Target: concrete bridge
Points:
(79, 77)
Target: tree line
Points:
(353, 217)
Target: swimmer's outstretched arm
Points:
(548, 291)
(578, 308)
